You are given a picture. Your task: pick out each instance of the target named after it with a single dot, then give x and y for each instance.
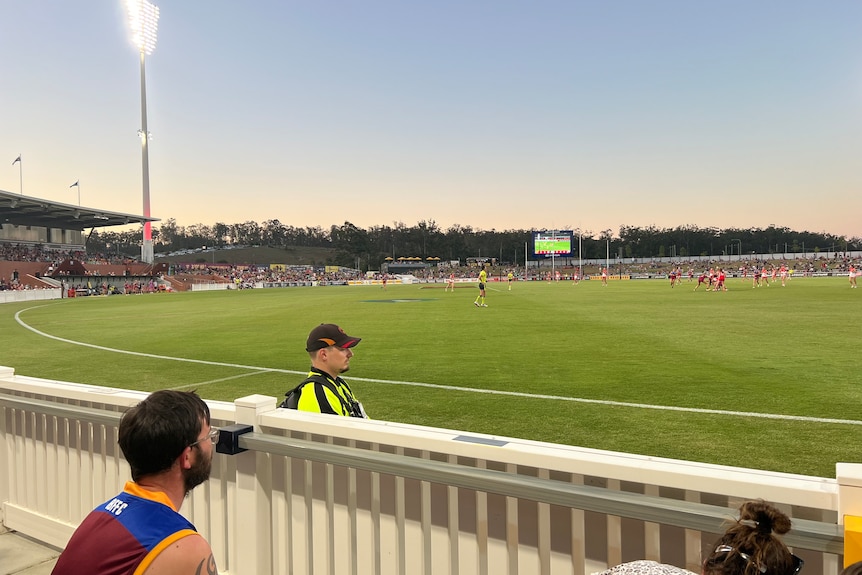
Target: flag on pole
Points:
(75, 184)
(18, 159)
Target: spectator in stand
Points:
(750, 546)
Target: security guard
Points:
(323, 391)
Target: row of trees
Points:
(425, 239)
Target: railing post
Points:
(251, 526)
(849, 477)
(6, 456)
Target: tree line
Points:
(370, 246)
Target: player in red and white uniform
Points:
(719, 281)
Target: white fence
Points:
(12, 296)
(324, 494)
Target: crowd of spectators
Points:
(39, 253)
(249, 275)
(34, 253)
(564, 270)
(252, 275)
(11, 285)
(837, 264)
(60, 264)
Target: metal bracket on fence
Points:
(228, 438)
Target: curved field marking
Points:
(150, 355)
(258, 370)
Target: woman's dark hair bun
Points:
(764, 518)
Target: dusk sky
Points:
(498, 114)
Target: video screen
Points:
(554, 243)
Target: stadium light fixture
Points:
(143, 24)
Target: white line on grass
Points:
(151, 355)
(219, 380)
(260, 370)
(618, 403)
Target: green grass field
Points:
(790, 351)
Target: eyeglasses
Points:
(797, 562)
(212, 436)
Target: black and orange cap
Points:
(327, 334)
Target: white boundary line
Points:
(258, 370)
(150, 355)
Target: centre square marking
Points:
(413, 300)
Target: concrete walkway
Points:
(20, 555)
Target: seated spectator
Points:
(750, 546)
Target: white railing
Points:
(323, 494)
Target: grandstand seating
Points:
(30, 274)
(39, 267)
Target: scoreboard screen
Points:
(555, 243)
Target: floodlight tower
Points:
(143, 22)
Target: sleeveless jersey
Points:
(123, 535)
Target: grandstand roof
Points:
(29, 211)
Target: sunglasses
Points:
(797, 562)
(212, 436)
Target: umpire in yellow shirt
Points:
(483, 279)
(323, 391)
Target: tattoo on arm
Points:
(207, 566)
